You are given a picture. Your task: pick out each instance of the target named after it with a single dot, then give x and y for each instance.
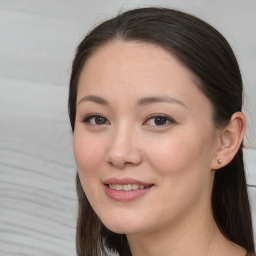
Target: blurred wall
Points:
(37, 170)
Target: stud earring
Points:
(219, 161)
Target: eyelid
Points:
(87, 119)
(169, 119)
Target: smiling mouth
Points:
(127, 187)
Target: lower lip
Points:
(125, 196)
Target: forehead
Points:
(137, 68)
(133, 55)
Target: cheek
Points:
(183, 167)
(88, 155)
(181, 153)
(87, 152)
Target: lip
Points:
(125, 196)
(124, 181)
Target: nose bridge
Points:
(123, 147)
(122, 134)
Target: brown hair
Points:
(203, 50)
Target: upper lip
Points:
(124, 181)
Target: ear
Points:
(230, 139)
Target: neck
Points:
(199, 237)
(179, 239)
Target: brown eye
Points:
(159, 120)
(95, 120)
(100, 120)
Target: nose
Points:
(123, 149)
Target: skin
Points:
(178, 156)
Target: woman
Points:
(155, 106)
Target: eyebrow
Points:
(141, 102)
(95, 99)
(150, 100)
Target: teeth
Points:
(126, 187)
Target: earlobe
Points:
(230, 139)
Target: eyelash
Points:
(167, 120)
(88, 118)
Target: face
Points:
(144, 139)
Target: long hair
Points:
(205, 52)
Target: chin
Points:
(122, 226)
(118, 230)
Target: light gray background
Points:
(37, 170)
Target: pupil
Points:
(100, 120)
(160, 120)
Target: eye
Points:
(95, 120)
(159, 120)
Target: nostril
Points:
(122, 158)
